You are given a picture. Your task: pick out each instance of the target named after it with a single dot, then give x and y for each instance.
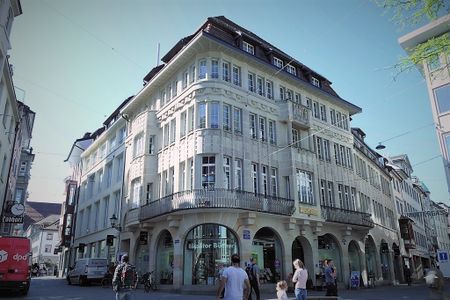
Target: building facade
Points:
(9, 112)
(233, 146)
(44, 239)
(437, 75)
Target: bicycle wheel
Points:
(146, 287)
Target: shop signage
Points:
(210, 245)
(177, 241)
(246, 234)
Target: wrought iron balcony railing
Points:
(339, 215)
(217, 198)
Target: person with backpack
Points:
(253, 276)
(124, 279)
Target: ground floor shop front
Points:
(193, 249)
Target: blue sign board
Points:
(246, 234)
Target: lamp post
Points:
(115, 223)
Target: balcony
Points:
(132, 217)
(344, 216)
(296, 113)
(217, 199)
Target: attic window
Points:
(278, 62)
(248, 48)
(315, 81)
(291, 69)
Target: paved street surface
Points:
(50, 288)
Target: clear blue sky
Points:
(78, 60)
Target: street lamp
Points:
(114, 223)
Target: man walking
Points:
(253, 276)
(330, 278)
(235, 281)
(124, 279)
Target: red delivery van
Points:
(15, 264)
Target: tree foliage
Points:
(413, 12)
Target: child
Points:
(281, 290)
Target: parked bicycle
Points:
(149, 281)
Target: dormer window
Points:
(278, 62)
(291, 69)
(315, 81)
(248, 48)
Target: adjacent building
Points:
(437, 75)
(44, 239)
(9, 114)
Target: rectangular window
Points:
(49, 236)
(191, 119)
(326, 150)
(269, 89)
(442, 96)
(342, 155)
(136, 199)
(138, 145)
(333, 116)
(274, 182)
(345, 122)
(202, 69)
(262, 129)
(105, 212)
(289, 94)
(182, 172)
(323, 192)
(108, 174)
(226, 117)
(227, 172)
(248, 48)
(48, 248)
(226, 71)
(236, 75)
(264, 180)
(213, 114)
(291, 69)
(316, 112)
(309, 103)
(260, 85)
(214, 69)
(182, 124)
(237, 120)
(272, 132)
(149, 193)
(346, 197)
(23, 168)
(282, 93)
(191, 173)
(238, 174)
(174, 88)
(295, 138)
(166, 134)
(192, 77)
(340, 196)
(349, 158)
(315, 81)
(278, 62)
(18, 196)
(353, 199)
(338, 119)
(336, 154)
(319, 148)
(173, 127)
(253, 125)
(251, 82)
(255, 178)
(185, 79)
(208, 171)
(304, 187)
(298, 98)
(119, 168)
(201, 111)
(323, 113)
(330, 191)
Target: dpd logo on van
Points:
(18, 257)
(3, 256)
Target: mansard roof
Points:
(222, 29)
